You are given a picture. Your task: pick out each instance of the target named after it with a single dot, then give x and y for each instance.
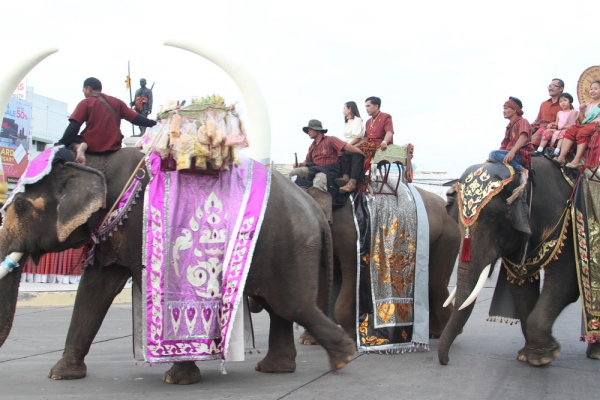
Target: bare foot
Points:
(80, 159)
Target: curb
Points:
(59, 299)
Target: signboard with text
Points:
(14, 139)
(21, 91)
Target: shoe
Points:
(559, 162)
(537, 153)
(348, 188)
(574, 166)
(342, 181)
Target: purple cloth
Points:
(200, 233)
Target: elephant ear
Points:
(452, 203)
(85, 194)
(517, 205)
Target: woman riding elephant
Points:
(61, 210)
(501, 215)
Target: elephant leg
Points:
(593, 350)
(560, 289)
(281, 356)
(525, 297)
(97, 290)
(183, 373)
(345, 306)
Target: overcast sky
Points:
(443, 69)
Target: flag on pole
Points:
(127, 82)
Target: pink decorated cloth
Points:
(200, 233)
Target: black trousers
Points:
(353, 165)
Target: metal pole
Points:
(130, 96)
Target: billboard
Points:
(21, 91)
(14, 139)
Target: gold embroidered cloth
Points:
(476, 187)
(586, 235)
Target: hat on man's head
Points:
(316, 125)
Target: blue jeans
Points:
(497, 156)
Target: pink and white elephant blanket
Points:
(199, 235)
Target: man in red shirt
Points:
(548, 109)
(515, 148)
(102, 115)
(379, 127)
(324, 156)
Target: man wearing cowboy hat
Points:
(324, 156)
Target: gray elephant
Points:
(504, 226)
(444, 242)
(61, 210)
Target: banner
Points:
(21, 91)
(14, 139)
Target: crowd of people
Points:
(343, 163)
(557, 127)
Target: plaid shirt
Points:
(512, 134)
(328, 151)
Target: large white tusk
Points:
(259, 132)
(450, 298)
(482, 278)
(13, 71)
(10, 262)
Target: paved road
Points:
(482, 366)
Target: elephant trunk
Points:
(469, 279)
(9, 291)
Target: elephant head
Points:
(48, 216)
(490, 204)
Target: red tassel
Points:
(465, 253)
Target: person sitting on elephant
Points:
(555, 131)
(589, 117)
(515, 148)
(323, 156)
(102, 115)
(352, 164)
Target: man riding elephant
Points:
(323, 156)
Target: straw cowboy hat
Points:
(585, 81)
(316, 125)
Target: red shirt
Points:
(513, 133)
(101, 132)
(328, 151)
(376, 129)
(548, 111)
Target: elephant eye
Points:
(490, 218)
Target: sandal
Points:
(574, 166)
(559, 162)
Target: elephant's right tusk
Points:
(450, 298)
(482, 278)
(10, 262)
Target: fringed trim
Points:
(412, 348)
(501, 319)
(593, 338)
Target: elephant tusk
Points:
(10, 262)
(482, 278)
(450, 298)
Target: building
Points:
(49, 119)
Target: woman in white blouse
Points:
(352, 163)
(354, 130)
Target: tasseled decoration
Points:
(465, 253)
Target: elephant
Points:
(506, 227)
(444, 242)
(60, 211)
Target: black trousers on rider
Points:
(353, 165)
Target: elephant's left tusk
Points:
(450, 298)
(482, 278)
(10, 262)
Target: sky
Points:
(442, 69)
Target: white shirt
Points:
(354, 129)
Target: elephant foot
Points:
(435, 335)
(183, 373)
(593, 350)
(276, 365)
(307, 339)
(341, 354)
(68, 369)
(539, 356)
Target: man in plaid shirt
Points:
(323, 156)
